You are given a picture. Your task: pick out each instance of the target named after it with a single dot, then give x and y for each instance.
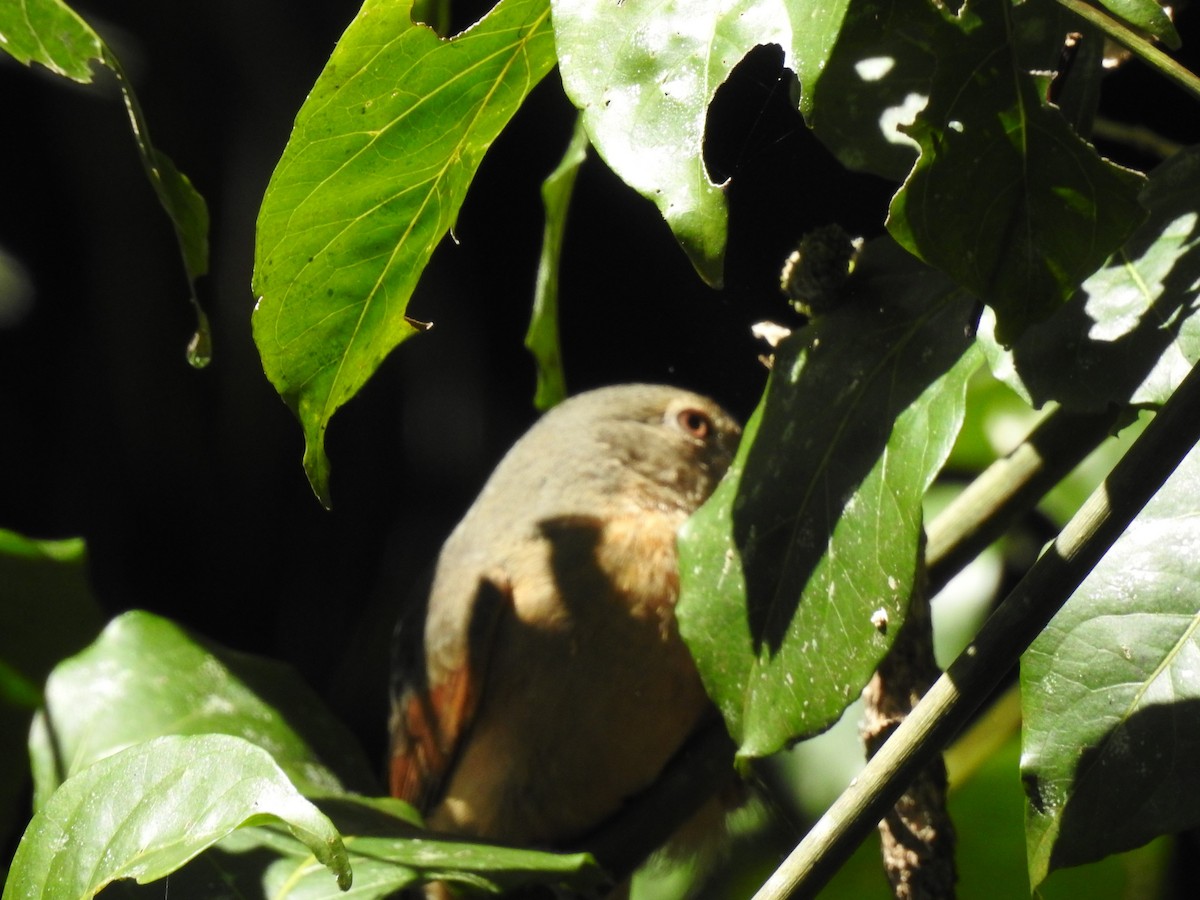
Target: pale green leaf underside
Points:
(158, 680)
(812, 539)
(147, 810)
(373, 176)
(1111, 694)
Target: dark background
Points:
(188, 485)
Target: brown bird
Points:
(551, 683)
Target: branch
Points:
(1009, 488)
(1135, 43)
(997, 647)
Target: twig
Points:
(998, 646)
(1009, 488)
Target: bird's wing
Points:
(432, 713)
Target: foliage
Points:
(1011, 239)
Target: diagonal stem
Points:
(997, 647)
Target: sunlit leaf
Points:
(796, 574)
(542, 336)
(644, 74)
(145, 677)
(373, 176)
(1131, 332)
(1005, 197)
(1111, 694)
(52, 34)
(147, 810)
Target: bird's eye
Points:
(695, 423)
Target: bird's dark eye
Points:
(695, 423)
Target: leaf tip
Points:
(316, 463)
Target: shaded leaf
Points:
(1131, 333)
(144, 812)
(1111, 694)
(52, 34)
(1045, 209)
(817, 526)
(643, 76)
(877, 80)
(387, 855)
(373, 176)
(145, 677)
(1145, 15)
(47, 612)
(542, 337)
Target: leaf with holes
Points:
(373, 177)
(1005, 197)
(644, 74)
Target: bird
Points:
(548, 683)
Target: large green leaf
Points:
(52, 34)
(1042, 210)
(377, 167)
(145, 677)
(1111, 694)
(1131, 332)
(796, 574)
(144, 812)
(384, 848)
(644, 74)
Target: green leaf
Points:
(542, 337)
(816, 528)
(1043, 210)
(388, 854)
(877, 79)
(145, 677)
(1131, 332)
(144, 812)
(47, 612)
(644, 74)
(374, 174)
(1145, 15)
(52, 34)
(1111, 694)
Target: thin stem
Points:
(1134, 42)
(999, 644)
(1009, 488)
